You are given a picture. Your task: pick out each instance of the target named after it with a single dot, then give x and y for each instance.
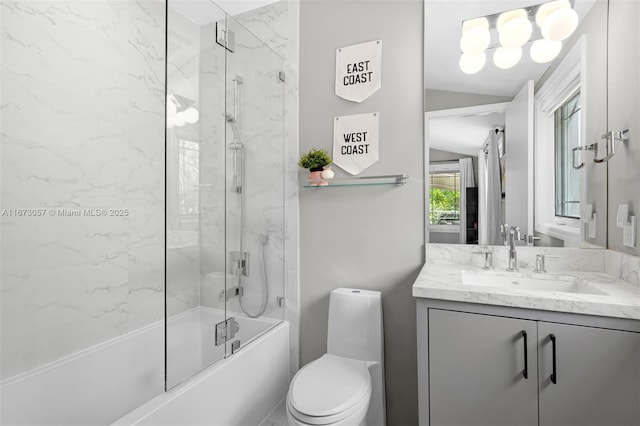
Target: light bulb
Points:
(475, 35)
(560, 24)
(545, 9)
(543, 51)
(471, 63)
(514, 28)
(505, 58)
(191, 115)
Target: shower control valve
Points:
(239, 261)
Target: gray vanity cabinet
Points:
(597, 380)
(476, 365)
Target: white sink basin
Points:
(518, 281)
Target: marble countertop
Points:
(443, 280)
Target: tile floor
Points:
(278, 417)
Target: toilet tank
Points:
(355, 324)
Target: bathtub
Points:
(125, 377)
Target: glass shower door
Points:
(225, 185)
(255, 182)
(196, 264)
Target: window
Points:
(188, 177)
(567, 178)
(444, 197)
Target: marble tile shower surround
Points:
(616, 264)
(82, 89)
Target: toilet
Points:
(345, 386)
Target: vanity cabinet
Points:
(597, 378)
(476, 365)
(484, 369)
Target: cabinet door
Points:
(597, 376)
(476, 365)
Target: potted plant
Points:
(315, 160)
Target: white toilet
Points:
(345, 386)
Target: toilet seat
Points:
(329, 389)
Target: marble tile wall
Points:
(82, 100)
(623, 266)
(620, 265)
(569, 259)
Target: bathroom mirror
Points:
(499, 142)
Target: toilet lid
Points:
(329, 385)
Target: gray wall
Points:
(365, 237)
(624, 113)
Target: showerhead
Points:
(237, 144)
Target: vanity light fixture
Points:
(555, 21)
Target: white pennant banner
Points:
(355, 141)
(358, 70)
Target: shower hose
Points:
(265, 240)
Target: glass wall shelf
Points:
(357, 181)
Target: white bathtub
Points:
(240, 390)
(191, 340)
(101, 384)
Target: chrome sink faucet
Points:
(513, 235)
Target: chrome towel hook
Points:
(574, 151)
(610, 138)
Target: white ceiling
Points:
(443, 23)
(464, 134)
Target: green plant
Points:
(443, 203)
(314, 159)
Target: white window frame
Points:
(566, 79)
(444, 167)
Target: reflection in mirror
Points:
(501, 137)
